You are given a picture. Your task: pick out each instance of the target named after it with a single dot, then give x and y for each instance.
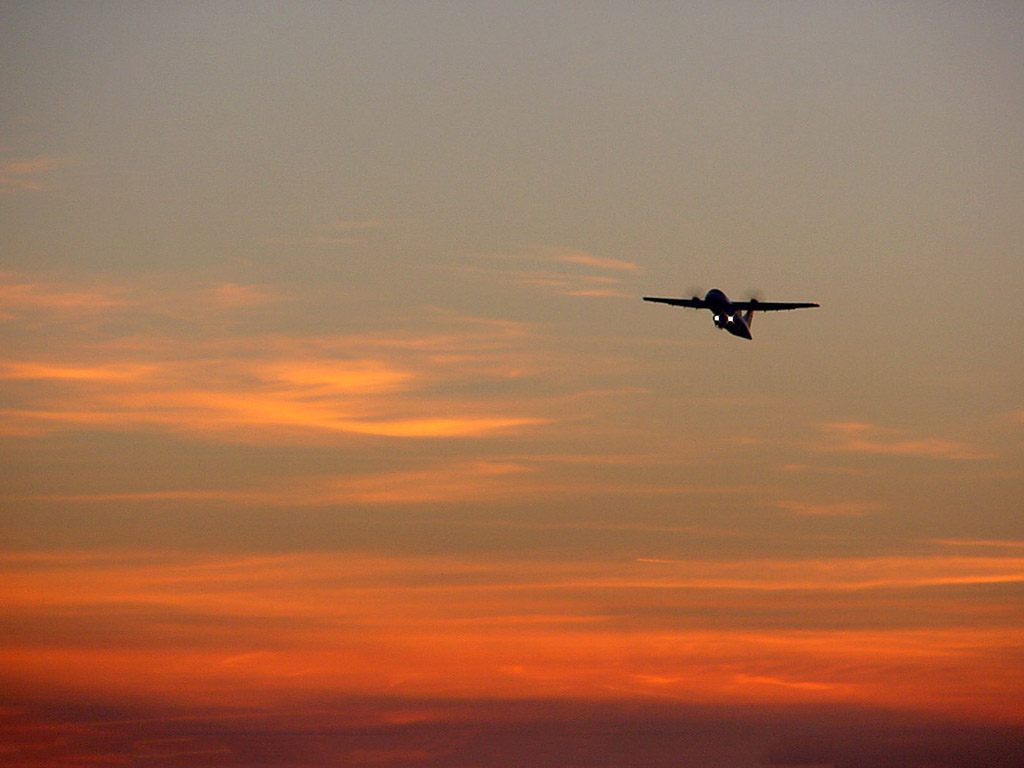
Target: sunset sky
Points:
(335, 431)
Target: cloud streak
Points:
(589, 260)
(567, 272)
(833, 509)
(34, 298)
(232, 399)
(27, 175)
(19, 296)
(283, 386)
(450, 483)
(857, 437)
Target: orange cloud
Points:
(261, 630)
(589, 260)
(42, 371)
(855, 437)
(235, 296)
(433, 482)
(813, 468)
(18, 295)
(23, 174)
(980, 543)
(277, 386)
(287, 413)
(288, 387)
(834, 509)
(455, 482)
(569, 284)
(841, 574)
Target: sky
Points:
(335, 430)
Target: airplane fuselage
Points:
(726, 316)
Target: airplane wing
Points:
(695, 303)
(771, 306)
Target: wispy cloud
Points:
(569, 285)
(983, 544)
(567, 256)
(21, 295)
(232, 399)
(430, 482)
(438, 482)
(402, 383)
(236, 296)
(46, 371)
(857, 437)
(818, 469)
(18, 294)
(832, 509)
(566, 272)
(29, 175)
(841, 574)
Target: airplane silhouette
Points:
(733, 316)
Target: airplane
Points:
(733, 316)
